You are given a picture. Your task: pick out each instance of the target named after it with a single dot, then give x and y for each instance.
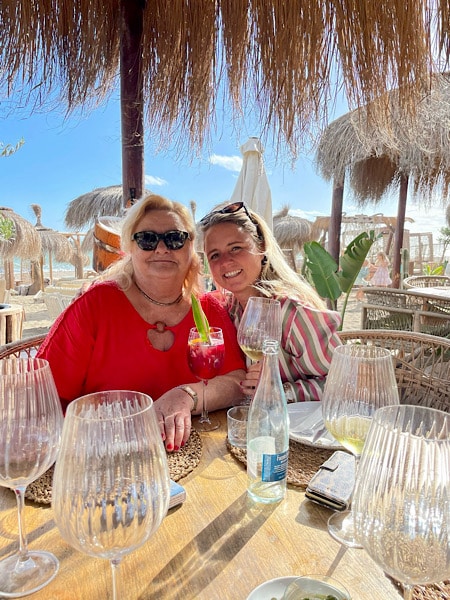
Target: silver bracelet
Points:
(192, 393)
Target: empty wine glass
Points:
(261, 321)
(205, 361)
(111, 480)
(31, 421)
(361, 379)
(401, 497)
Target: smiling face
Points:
(234, 259)
(161, 263)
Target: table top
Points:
(217, 545)
(440, 292)
(11, 309)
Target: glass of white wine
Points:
(400, 502)
(361, 379)
(261, 321)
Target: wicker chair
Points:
(422, 364)
(22, 348)
(424, 281)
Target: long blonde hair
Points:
(122, 271)
(277, 278)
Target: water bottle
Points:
(268, 433)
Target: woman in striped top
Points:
(245, 260)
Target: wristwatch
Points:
(192, 393)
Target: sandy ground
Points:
(38, 321)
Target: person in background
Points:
(362, 280)
(129, 330)
(245, 260)
(381, 277)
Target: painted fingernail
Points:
(169, 447)
(176, 448)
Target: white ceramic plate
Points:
(274, 588)
(306, 426)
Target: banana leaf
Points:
(331, 280)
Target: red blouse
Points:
(100, 343)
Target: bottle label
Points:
(274, 466)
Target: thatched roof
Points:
(25, 242)
(284, 60)
(53, 242)
(291, 231)
(83, 210)
(373, 157)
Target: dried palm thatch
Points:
(83, 210)
(376, 156)
(291, 232)
(275, 56)
(56, 244)
(25, 242)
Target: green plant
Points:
(7, 150)
(7, 229)
(330, 279)
(433, 269)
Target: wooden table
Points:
(218, 545)
(11, 322)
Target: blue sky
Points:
(62, 159)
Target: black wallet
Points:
(332, 485)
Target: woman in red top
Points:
(130, 330)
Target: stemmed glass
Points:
(261, 321)
(31, 421)
(111, 484)
(401, 496)
(205, 361)
(361, 379)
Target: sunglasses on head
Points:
(148, 240)
(230, 209)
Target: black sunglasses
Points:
(230, 209)
(148, 240)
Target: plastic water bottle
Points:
(268, 433)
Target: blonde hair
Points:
(122, 271)
(277, 278)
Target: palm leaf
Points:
(322, 270)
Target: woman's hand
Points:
(250, 383)
(173, 411)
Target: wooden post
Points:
(398, 238)
(334, 229)
(131, 97)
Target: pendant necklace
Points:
(176, 301)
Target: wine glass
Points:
(361, 379)
(205, 361)
(31, 421)
(400, 503)
(260, 321)
(111, 481)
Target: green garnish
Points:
(201, 322)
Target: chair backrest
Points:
(55, 304)
(22, 348)
(422, 363)
(424, 281)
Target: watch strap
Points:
(192, 393)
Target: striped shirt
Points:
(309, 336)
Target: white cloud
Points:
(150, 180)
(231, 163)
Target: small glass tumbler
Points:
(237, 418)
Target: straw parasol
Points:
(82, 212)
(58, 247)
(25, 243)
(284, 61)
(378, 159)
(291, 231)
